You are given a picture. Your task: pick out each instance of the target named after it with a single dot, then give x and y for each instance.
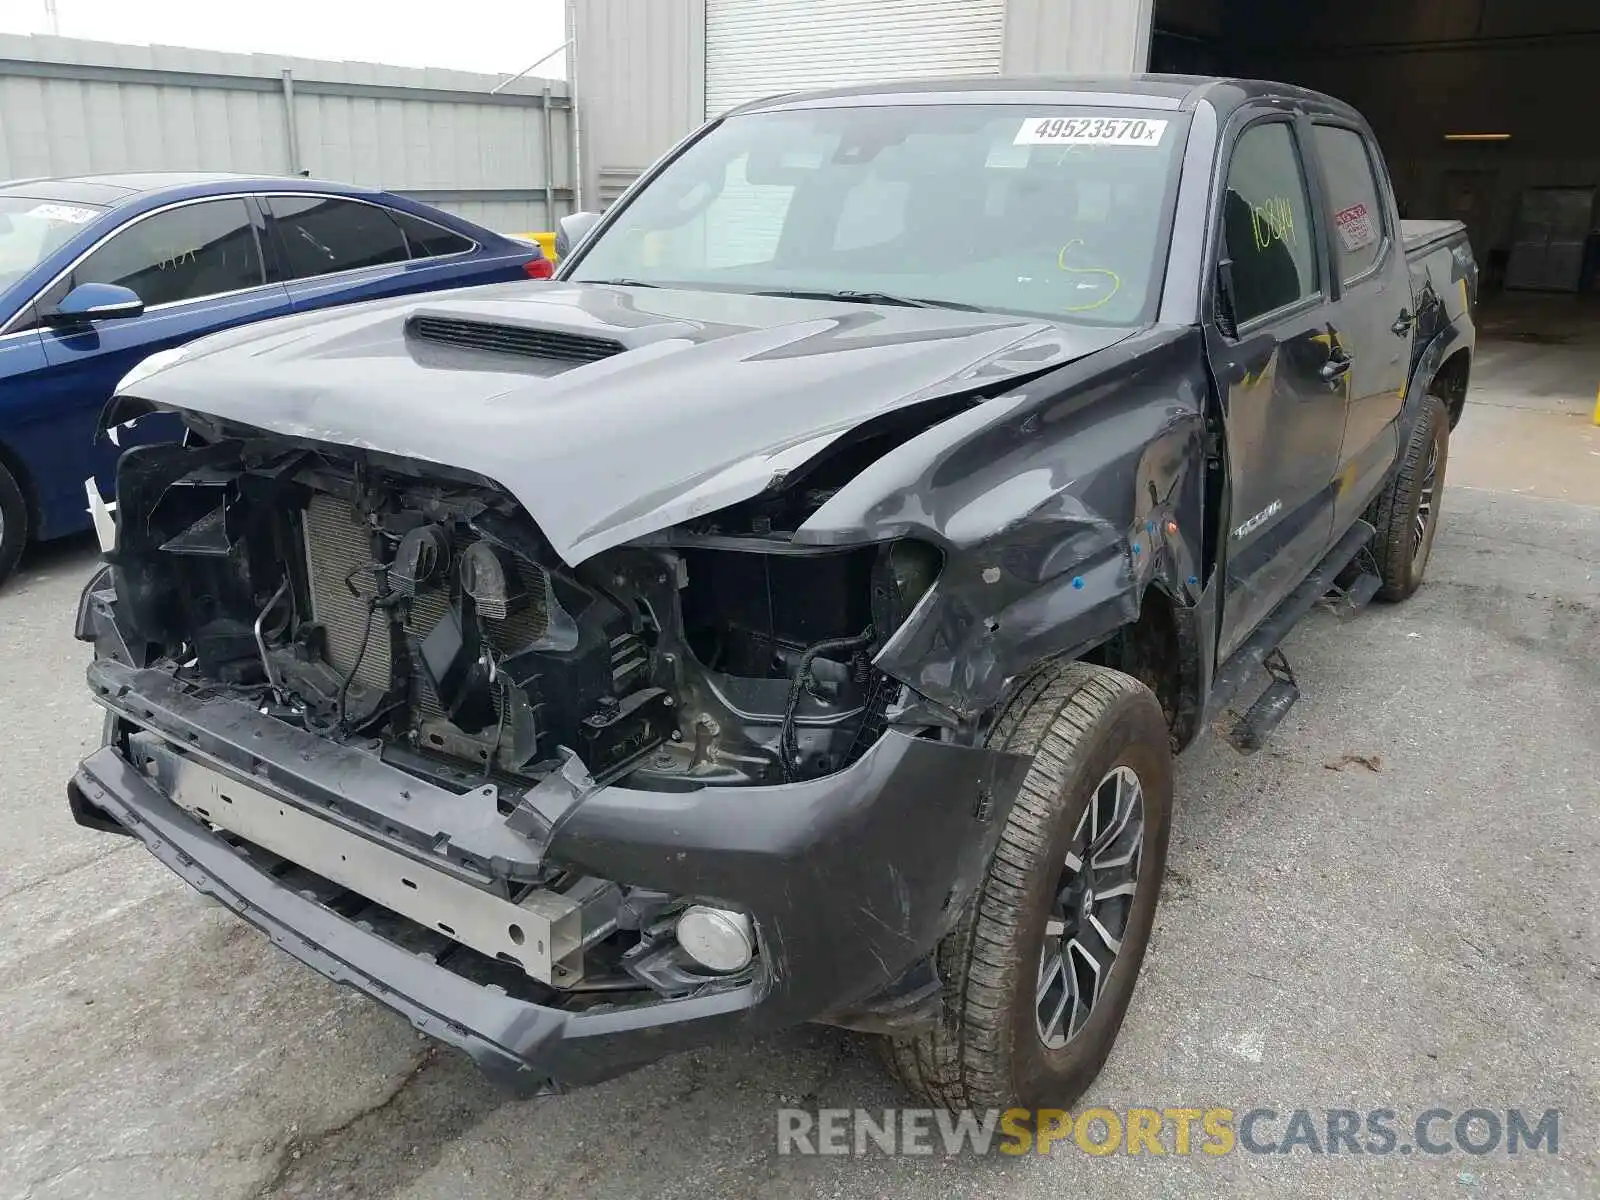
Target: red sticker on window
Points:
(1355, 227)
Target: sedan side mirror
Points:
(95, 302)
(570, 230)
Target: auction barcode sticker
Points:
(1090, 131)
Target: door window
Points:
(184, 253)
(1266, 223)
(426, 240)
(1358, 220)
(321, 235)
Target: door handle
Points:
(1335, 369)
(1402, 323)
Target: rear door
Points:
(334, 250)
(198, 268)
(1370, 316)
(1276, 369)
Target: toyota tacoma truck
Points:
(791, 612)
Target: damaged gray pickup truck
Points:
(791, 612)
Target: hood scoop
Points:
(527, 341)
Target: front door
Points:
(1280, 373)
(198, 268)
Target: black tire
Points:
(1080, 723)
(14, 527)
(1405, 530)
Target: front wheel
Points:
(1406, 512)
(13, 522)
(1039, 972)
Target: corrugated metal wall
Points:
(758, 48)
(1065, 37)
(641, 74)
(71, 107)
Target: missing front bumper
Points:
(543, 933)
(528, 1047)
(852, 879)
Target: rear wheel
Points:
(1406, 513)
(1040, 970)
(13, 522)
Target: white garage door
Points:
(757, 48)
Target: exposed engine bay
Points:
(417, 615)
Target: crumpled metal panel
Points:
(1057, 506)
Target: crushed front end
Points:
(568, 817)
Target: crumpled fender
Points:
(1056, 507)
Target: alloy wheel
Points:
(1091, 908)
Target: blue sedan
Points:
(98, 272)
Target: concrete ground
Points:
(1417, 931)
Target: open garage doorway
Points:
(1484, 109)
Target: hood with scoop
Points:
(608, 411)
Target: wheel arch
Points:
(1161, 649)
(1449, 382)
(1445, 363)
(12, 462)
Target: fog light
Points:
(717, 939)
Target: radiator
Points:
(338, 548)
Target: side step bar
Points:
(1270, 708)
(1346, 602)
(1252, 656)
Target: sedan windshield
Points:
(32, 229)
(1047, 210)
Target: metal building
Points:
(71, 107)
(646, 72)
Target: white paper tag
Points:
(1355, 227)
(1090, 131)
(1007, 158)
(69, 213)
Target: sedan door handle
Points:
(1402, 323)
(1335, 368)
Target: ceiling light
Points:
(1477, 137)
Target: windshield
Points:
(32, 229)
(1046, 210)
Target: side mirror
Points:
(570, 230)
(95, 302)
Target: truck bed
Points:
(1416, 236)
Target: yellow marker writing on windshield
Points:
(1116, 280)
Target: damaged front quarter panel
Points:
(1056, 506)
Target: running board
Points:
(1271, 707)
(1346, 602)
(1252, 656)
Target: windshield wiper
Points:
(870, 298)
(619, 282)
